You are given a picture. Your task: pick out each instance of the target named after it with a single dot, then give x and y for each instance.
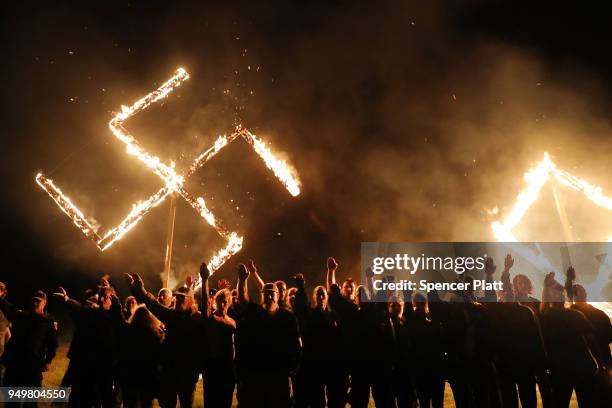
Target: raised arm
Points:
(253, 272)
(140, 293)
(489, 270)
(205, 306)
(302, 305)
(243, 275)
(330, 278)
(569, 283)
(508, 291)
(61, 295)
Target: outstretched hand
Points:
(190, 282)
(134, 280)
(332, 265)
(243, 272)
(61, 294)
(508, 262)
(204, 271)
(251, 266)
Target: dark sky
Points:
(406, 120)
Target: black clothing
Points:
(267, 353)
(32, 345)
(181, 353)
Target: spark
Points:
(173, 182)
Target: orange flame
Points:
(174, 183)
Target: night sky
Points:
(407, 121)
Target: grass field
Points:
(54, 377)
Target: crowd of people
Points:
(332, 345)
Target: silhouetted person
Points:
(320, 374)
(140, 352)
(219, 370)
(345, 310)
(566, 335)
(94, 354)
(33, 343)
(181, 354)
(428, 363)
(267, 348)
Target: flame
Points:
(536, 178)
(285, 173)
(174, 183)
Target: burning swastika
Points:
(173, 182)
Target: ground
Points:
(54, 377)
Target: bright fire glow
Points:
(535, 179)
(174, 183)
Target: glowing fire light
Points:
(174, 183)
(536, 178)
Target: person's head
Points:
(129, 305)
(419, 304)
(105, 297)
(553, 296)
(522, 286)
(269, 296)
(222, 301)
(319, 297)
(580, 294)
(164, 297)
(183, 299)
(2, 290)
(39, 301)
(291, 292)
(362, 295)
(281, 286)
(348, 288)
(395, 306)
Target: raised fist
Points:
(332, 265)
(204, 271)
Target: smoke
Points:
(403, 126)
